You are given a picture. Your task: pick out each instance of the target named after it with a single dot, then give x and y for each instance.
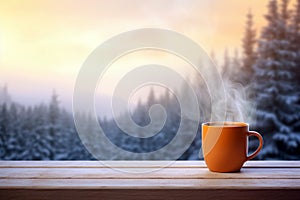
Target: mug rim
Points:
(226, 123)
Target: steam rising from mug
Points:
(190, 103)
(240, 106)
(237, 103)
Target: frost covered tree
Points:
(231, 68)
(40, 138)
(14, 137)
(249, 55)
(4, 120)
(25, 133)
(140, 114)
(295, 41)
(265, 70)
(4, 96)
(295, 37)
(57, 136)
(151, 100)
(236, 68)
(277, 97)
(10, 132)
(226, 67)
(53, 120)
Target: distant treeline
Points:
(47, 132)
(42, 132)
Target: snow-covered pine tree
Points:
(164, 100)
(296, 36)
(169, 129)
(4, 120)
(77, 150)
(290, 143)
(274, 84)
(249, 55)
(265, 69)
(140, 114)
(151, 100)
(10, 136)
(226, 67)
(14, 149)
(146, 142)
(27, 134)
(236, 68)
(56, 139)
(295, 42)
(189, 121)
(39, 136)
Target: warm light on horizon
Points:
(43, 43)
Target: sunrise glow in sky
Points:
(44, 43)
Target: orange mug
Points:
(225, 145)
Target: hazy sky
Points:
(43, 43)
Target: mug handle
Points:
(256, 134)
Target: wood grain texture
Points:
(164, 173)
(127, 180)
(137, 164)
(242, 184)
(154, 194)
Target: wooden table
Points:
(181, 180)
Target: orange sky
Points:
(43, 43)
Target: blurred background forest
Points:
(268, 69)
